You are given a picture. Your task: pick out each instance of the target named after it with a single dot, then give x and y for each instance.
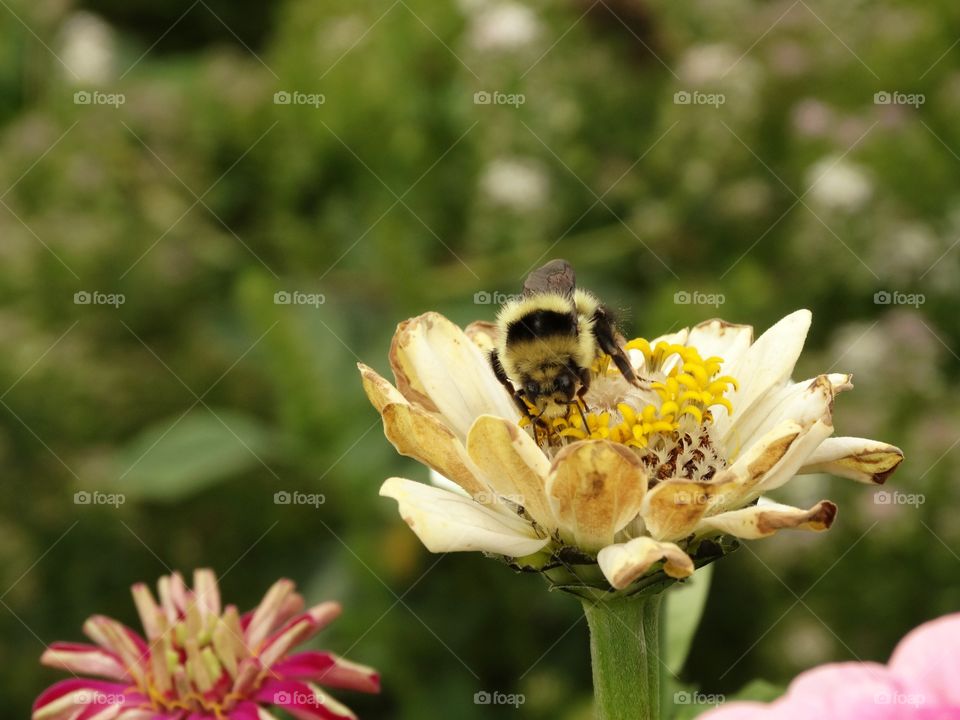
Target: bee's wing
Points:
(556, 276)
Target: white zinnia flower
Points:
(664, 474)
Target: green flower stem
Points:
(625, 649)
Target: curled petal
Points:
(769, 463)
(446, 522)
(483, 333)
(763, 520)
(514, 464)
(623, 563)
(417, 434)
(860, 459)
(595, 487)
(672, 509)
(438, 367)
(83, 659)
(379, 390)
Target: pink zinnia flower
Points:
(201, 662)
(922, 680)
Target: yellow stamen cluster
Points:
(690, 387)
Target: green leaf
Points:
(177, 458)
(684, 607)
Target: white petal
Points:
(445, 483)
(763, 520)
(446, 522)
(860, 459)
(767, 364)
(794, 401)
(438, 366)
(622, 563)
(718, 338)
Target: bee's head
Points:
(551, 390)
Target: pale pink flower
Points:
(199, 661)
(921, 681)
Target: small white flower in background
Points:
(88, 49)
(515, 183)
(704, 64)
(503, 26)
(838, 184)
(650, 483)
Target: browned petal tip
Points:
(403, 372)
(894, 460)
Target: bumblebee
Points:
(548, 339)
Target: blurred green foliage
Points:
(199, 397)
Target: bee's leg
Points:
(501, 375)
(585, 376)
(605, 331)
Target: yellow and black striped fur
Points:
(549, 338)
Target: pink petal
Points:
(245, 711)
(82, 659)
(298, 699)
(118, 639)
(298, 630)
(927, 660)
(861, 691)
(67, 698)
(330, 670)
(743, 711)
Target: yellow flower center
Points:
(687, 386)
